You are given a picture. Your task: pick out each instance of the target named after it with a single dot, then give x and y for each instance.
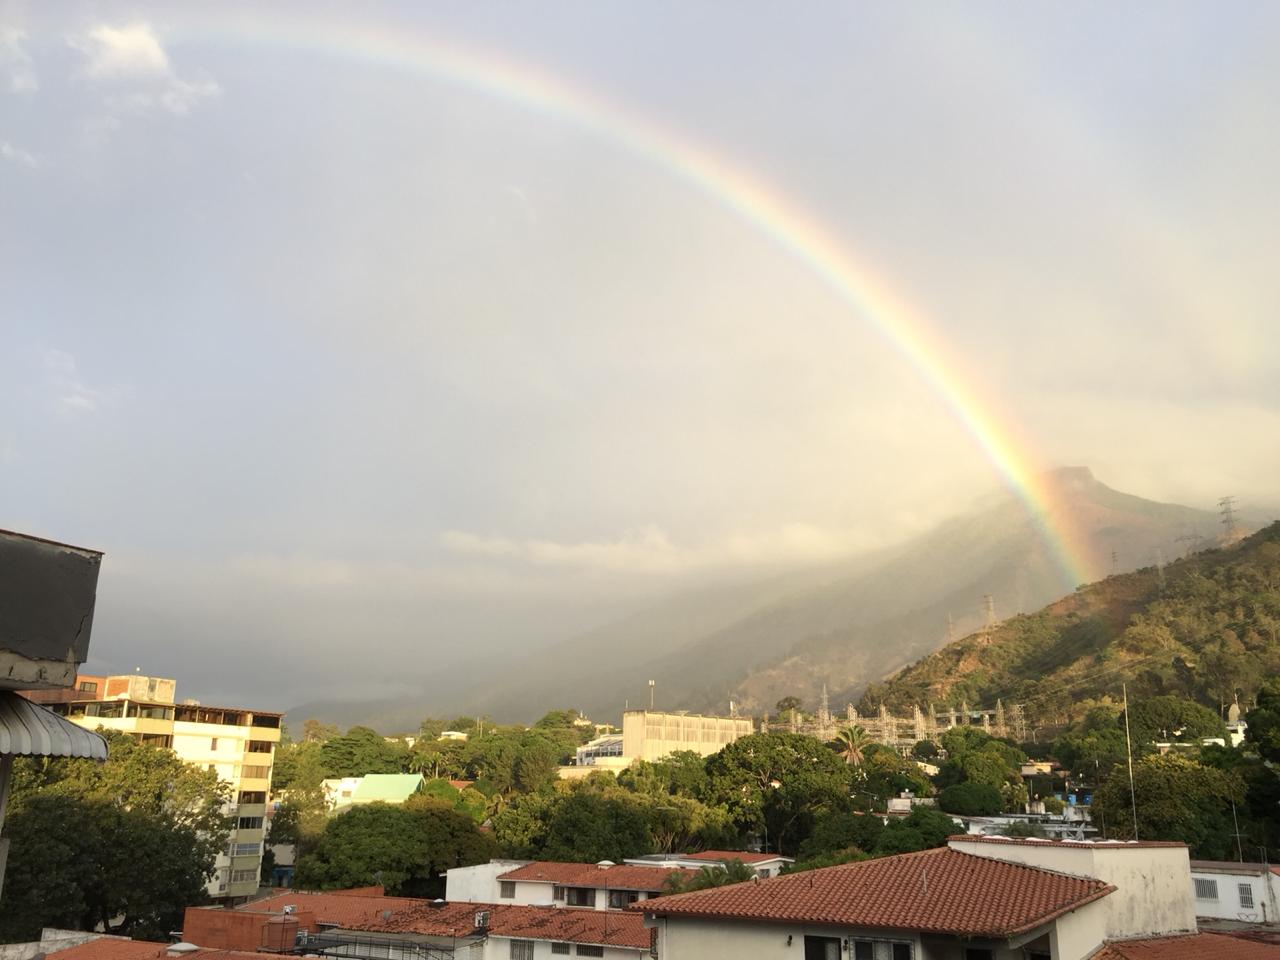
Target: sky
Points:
(361, 365)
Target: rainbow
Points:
(754, 201)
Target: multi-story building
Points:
(238, 744)
(647, 735)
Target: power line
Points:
(1226, 509)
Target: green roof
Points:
(388, 787)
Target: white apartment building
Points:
(598, 886)
(650, 735)
(238, 744)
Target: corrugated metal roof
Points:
(30, 730)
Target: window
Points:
(978, 953)
(590, 950)
(901, 951)
(580, 896)
(246, 849)
(521, 950)
(250, 823)
(620, 898)
(506, 889)
(828, 948)
(255, 773)
(557, 893)
(1206, 889)
(243, 876)
(88, 686)
(1246, 896)
(259, 746)
(253, 796)
(561, 949)
(213, 743)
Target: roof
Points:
(338, 907)
(1085, 844)
(115, 948)
(934, 891)
(1194, 946)
(30, 730)
(624, 876)
(746, 856)
(606, 927)
(1233, 866)
(46, 540)
(387, 786)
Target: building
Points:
(366, 923)
(238, 744)
(975, 899)
(600, 886)
(1237, 892)
(762, 864)
(393, 788)
(647, 735)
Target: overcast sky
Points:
(354, 372)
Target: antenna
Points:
(1128, 748)
(652, 684)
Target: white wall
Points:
(1153, 895)
(499, 948)
(1227, 906)
(479, 884)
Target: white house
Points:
(763, 864)
(601, 886)
(1226, 890)
(976, 899)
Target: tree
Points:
(776, 783)
(1172, 718)
(362, 751)
(922, 829)
(840, 831)
(126, 844)
(733, 871)
(925, 750)
(406, 848)
(1263, 732)
(787, 706)
(850, 743)
(1177, 799)
(587, 827)
(971, 799)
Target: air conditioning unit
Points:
(482, 919)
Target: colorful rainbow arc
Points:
(757, 203)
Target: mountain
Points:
(845, 625)
(1206, 627)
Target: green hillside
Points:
(1206, 627)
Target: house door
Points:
(821, 948)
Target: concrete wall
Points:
(1229, 904)
(1153, 895)
(1079, 933)
(651, 736)
(479, 884)
(693, 939)
(499, 948)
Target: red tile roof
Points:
(619, 877)
(564, 924)
(1087, 844)
(936, 891)
(112, 948)
(339, 906)
(745, 856)
(1195, 946)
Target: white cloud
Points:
(650, 550)
(136, 73)
(72, 394)
(17, 155)
(17, 69)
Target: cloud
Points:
(650, 550)
(17, 155)
(132, 67)
(73, 395)
(17, 69)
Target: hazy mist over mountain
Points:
(383, 347)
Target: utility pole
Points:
(1227, 510)
(990, 603)
(1128, 749)
(1115, 563)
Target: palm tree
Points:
(852, 743)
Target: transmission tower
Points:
(1192, 540)
(989, 602)
(1160, 566)
(1227, 510)
(951, 629)
(1115, 563)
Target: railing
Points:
(363, 946)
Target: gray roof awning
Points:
(28, 729)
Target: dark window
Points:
(557, 893)
(560, 948)
(979, 953)
(580, 896)
(590, 950)
(259, 746)
(506, 889)
(88, 686)
(902, 951)
(213, 743)
(824, 948)
(620, 898)
(258, 721)
(250, 823)
(521, 950)
(253, 796)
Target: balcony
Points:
(47, 595)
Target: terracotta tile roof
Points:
(745, 856)
(937, 891)
(619, 877)
(564, 924)
(339, 907)
(1195, 946)
(111, 948)
(1087, 844)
